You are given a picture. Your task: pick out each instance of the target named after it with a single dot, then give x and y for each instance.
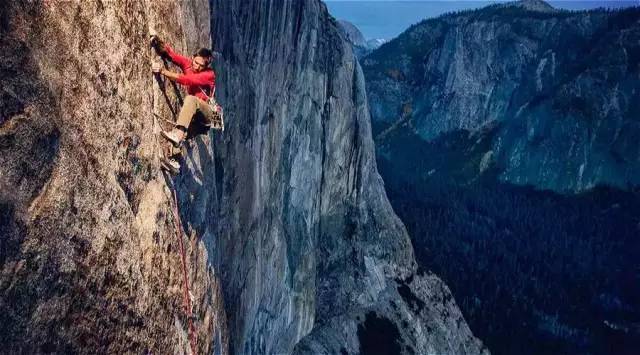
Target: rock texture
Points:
(89, 256)
(557, 89)
(313, 258)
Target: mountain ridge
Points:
(466, 70)
(507, 140)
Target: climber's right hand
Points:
(158, 45)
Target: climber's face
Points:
(199, 64)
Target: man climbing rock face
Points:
(199, 80)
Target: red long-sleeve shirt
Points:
(195, 83)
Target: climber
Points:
(199, 80)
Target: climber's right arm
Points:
(166, 51)
(177, 59)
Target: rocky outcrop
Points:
(559, 86)
(361, 47)
(352, 34)
(313, 258)
(89, 256)
(532, 5)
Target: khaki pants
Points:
(194, 107)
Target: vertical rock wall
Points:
(89, 258)
(312, 256)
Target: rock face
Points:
(313, 258)
(557, 88)
(361, 47)
(352, 33)
(289, 206)
(533, 5)
(88, 248)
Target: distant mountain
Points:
(531, 5)
(360, 44)
(375, 43)
(352, 33)
(561, 87)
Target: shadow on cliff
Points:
(29, 146)
(524, 263)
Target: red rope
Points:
(187, 299)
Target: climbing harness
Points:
(186, 294)
(217, 121)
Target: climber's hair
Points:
(204, 53)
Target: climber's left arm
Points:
(205, 78)
(170, 75)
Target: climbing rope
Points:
(178, 223)
(186, 297)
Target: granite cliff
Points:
(361, 46)
(313, 258)
(285, 215)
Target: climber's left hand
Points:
(156, 68)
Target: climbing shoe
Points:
(172, 137)
(170, 165)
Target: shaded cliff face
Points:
(522, 263)
(561, 86)
(88, 248)
(313, 259)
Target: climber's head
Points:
(201, 59)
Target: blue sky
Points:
(386, 19)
